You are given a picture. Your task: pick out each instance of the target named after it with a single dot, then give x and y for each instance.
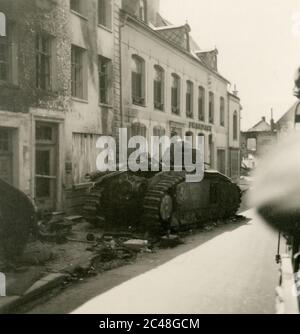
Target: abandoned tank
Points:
(159, 200)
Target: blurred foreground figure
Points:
(276, 195)
(276, 191)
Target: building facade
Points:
(171, 87)
(59, 91)
(72, 71)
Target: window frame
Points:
(43, 59)
(189, 99)
(138, 81)
(104, 17)
(82, 94)
(159, 88)
(235, 126)
(106, 75)
(222, 111)
(176, 109)
(211, 109)
(201, 104)
(5, 41)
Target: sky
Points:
(258, 43)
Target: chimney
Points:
(235, 91)
(273, 125)
(263, 118)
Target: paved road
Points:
(229, 270)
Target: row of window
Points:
(138, 93)
(104, 11)
(138, 129)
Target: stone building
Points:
(170, 86)
(59, 91)
(74, 70)
(257, 141)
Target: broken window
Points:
(105, 13)
(189, 99)
(175, 94)
(104, 68)
(158, 88)
(138, 80)
(43, 62)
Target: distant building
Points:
(257, 141)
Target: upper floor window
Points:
(76, 5)
(175, 94)
(222, 111)
(211, 108)
(143, 10)
(235, 126)
(43, 61)
(138, 80)
(158, 88)
(4, 53)
(2, 24)
(189, 99)
(78, 72)
(201, 104)
(105, 13)
(104, 71)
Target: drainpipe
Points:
(121, 26)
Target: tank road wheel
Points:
(158, 204)
(166, 208)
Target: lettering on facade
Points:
(2, 285)
(199, 126)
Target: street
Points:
(228, 270)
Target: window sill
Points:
(77, 99)
(79, 15)
(9, 84)
(105, 28)
(104, 105)
(159, 110)
(139, 104)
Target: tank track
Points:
(92, 210)
(152, 200)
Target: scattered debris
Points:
(170, 241)
(36, 253)
(136, 244)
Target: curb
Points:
(49, 282)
